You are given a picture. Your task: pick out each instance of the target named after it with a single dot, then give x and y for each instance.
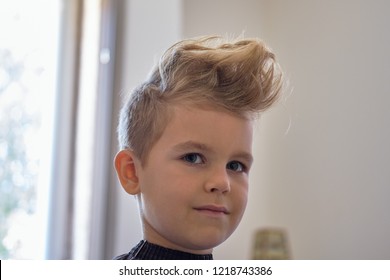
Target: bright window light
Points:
(29, 34)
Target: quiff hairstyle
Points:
(240, 77)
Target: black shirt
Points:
(148, 251)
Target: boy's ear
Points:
(126, 168)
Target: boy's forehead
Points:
(196, 126)
(203, 113)
(181, 108)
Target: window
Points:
(56, 80)
(28, 71)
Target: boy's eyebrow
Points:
(203, 147)
(192, 145)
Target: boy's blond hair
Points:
(239, 77)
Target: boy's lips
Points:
(213, 209)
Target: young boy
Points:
(186, 139)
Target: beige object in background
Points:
(271, 244)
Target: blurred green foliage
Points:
(18, 170)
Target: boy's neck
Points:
(152, 237)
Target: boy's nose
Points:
(218, 181)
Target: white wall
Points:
(326, 178)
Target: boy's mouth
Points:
(213, 209)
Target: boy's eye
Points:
(235, 166)
(193, 158)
